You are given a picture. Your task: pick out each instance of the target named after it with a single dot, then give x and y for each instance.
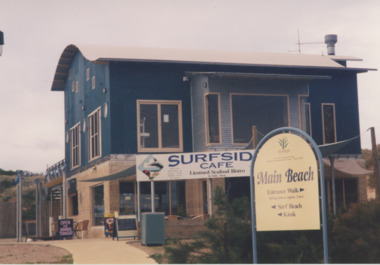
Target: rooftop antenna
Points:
(299, 43)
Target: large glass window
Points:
(159, 126)
(212, 118)
(169, 197)
(127, 198)
(98, 205)
(237, 188)
(94, 135)
(75, 151)
(266, 112)
(328, 117)
(177, 198)
(346, 192)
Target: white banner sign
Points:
(162, 167)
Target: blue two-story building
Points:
(123, 101)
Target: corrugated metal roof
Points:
(110, 53)
(103, 53)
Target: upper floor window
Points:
(159, 126)
(93, 82)
(94, 135)
(75, 151)
(328, 123)
(265, 112)
(305, 115)
(212, 106)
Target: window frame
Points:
(91, 136)
(323, 122)
(258, 95)
(161, 149)
(308, 106)
(77, 148)
(207, 119)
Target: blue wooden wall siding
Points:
(88, 98)
(342, 91)
(144, 81)
(127, 82)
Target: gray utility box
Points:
(152, 229)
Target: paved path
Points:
(101, 251)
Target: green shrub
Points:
(356, 235)
(227, 239)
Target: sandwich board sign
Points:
(126, 226)
(286, 185)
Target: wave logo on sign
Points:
(150, 167)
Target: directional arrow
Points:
(301, 189)
(280, 214)
(274, 206)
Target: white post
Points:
(152, 195)
(51, 226)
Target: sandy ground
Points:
(32, 253)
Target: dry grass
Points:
(33, 254)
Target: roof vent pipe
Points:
(330, 41)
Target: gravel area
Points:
(33, 253)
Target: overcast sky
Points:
(36, 33)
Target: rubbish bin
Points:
(152, 229)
